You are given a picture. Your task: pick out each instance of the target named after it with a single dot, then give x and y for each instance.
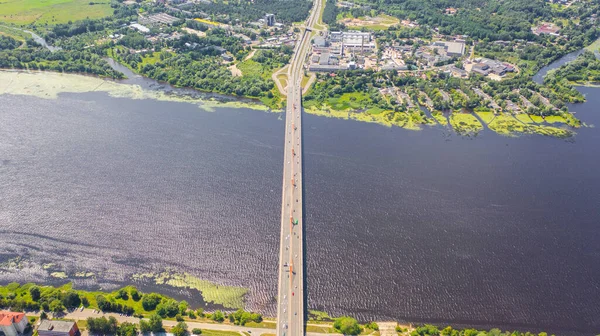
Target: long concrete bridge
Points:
(290, 301)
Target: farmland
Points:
(24, 12)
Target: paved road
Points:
(82, 315)
(290, 302)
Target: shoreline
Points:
(22, 82)
(317, 322)
(49, 84)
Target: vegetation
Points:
(430, 330)
(241, 317)
(227, 296)
(585, 69)
(180, 329)
(246, 11)
(52, 11)
(347, 325)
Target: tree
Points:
(122, 294)
(218, 316)
(71, 299)
(196, 331)
(183, 307)
(155, 323)
(43, 316)
(127, 329)
(150, 301)
(135, 295)
(56, 306)
(145, 327)
(34, 291)
(180, 329)
(347, 325)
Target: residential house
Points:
(12, 324)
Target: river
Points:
(419, 226)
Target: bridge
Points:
(290, 298)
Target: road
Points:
(290, 298)
(83, 315)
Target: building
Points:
(547, 28)
(227, 58)
(323, 68)
(453, 49)
(12, 324)
(270, 19)
(320, 42)
(142, 29)
(58, 328)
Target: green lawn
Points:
(251, 68)
(354, 100)
(14, 33)
(206, 332)
(24, 12)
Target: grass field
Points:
(380, 22)
(22, 12)
(206, 332)
(14, 33)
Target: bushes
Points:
(347, 325)
(241, 317)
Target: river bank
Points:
(48, 85)
(87, 166)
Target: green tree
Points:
(127, 329)
(180, 329)
(196, 331)
(155, 323)
(150, 301)
(34, 291)
(56, 306)
(71, 299)
(347, 325)
(43, 316)
(135, 295)
(218, 316)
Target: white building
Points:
(12, 324)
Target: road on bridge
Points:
(290, 301)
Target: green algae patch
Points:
(510, 126)
(227, 296)
(524, 118)
(537, 119)
(556, 119)
(486, 117)
(59, 275)
(48, 85)
(406, 120)
(465, 123)
(440, 118)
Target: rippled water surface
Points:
(419, 226)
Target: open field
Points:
(22, 12)
(14, 33)
(380, 22)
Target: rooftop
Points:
(56, 326)
(8, 318)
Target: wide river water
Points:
(421, 226)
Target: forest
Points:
(585, 69)
(34, 57)
(246, 11)
(486, 20)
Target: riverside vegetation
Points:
(156, 307)
(193, 60)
